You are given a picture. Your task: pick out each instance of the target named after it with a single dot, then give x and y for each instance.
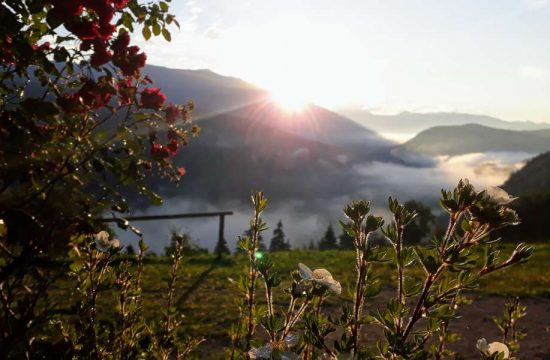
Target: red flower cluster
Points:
(6, 55)
(160, 150)
(127, 58)
(152, 98)
(101, 55)
(66, 9)
(172, 113)
(165, 151)
(96, 94)
(97, 31)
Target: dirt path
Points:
(476, 322)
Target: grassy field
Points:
(206, 296)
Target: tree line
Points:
(419, 230)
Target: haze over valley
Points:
(312, 161)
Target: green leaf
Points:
(163, 6)
(412, 286)
(156, 29)
(146, 32)
(428, 261)
(153, 197)
(166, 35)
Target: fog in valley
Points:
(306, 220)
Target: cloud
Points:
(213, 32)
(537, 4)
(533, 72)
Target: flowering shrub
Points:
(415, 321)
(79, 127)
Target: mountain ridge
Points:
(411, 122)
(472, 138)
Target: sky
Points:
(487, 57)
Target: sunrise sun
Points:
(289, 101)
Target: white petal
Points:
(336, 288)
(263, 352)
(498, 347)
(498, 195)
(305, 272)
(321, 274)
(114, 243)
(291, 340)
(333, 285)
(102, 237)
(482, 346)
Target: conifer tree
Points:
(328, 241)
(278, 241)
(346, 241)
(221, 248)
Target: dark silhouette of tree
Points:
(346, 241)
(130, 250)
(534, 211)
(248, 233)
(189, 247)
(421, 226)
(328, 241)
(312, 245)
(279, 241)
(221, 247)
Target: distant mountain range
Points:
(412, 123)
(211, 93)
(472, 138)
(247, 142)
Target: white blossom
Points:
(492, 348)
(102, 242)
(291, 340)
(263, 352)
(498, 195)
(320, 276)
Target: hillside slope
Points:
(248, 142)
(533, 178)
(470, 138)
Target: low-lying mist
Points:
(306, 220)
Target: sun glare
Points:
(289, 101)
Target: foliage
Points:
(328, 241)
(178, 239)
(345, 242)
(247, 234)
(507, 324)
(97, 267)
(279, 241)
(79, 127)
(418, 229)
(415, 323)
(534, 211)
